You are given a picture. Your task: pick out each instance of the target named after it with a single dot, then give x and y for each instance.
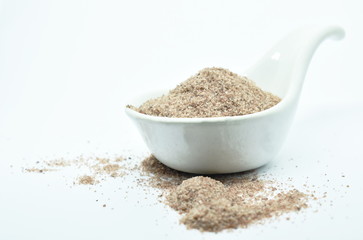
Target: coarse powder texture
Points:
(86, 180)
(208, 205)
(38, 170)
(213, 92)
(161, 176)
(221, 202)
(97, 168)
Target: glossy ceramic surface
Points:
(240, 143)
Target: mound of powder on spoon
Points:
(212, 92)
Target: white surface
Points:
(67, 68)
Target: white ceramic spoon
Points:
(239, 143)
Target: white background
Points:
(68, 68)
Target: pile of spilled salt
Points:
(221, 202)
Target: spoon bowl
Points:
(238, 143)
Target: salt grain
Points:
(86, 180)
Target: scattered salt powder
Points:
(86, 180)
(97, 167)
(221, 202)
(206, 203)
